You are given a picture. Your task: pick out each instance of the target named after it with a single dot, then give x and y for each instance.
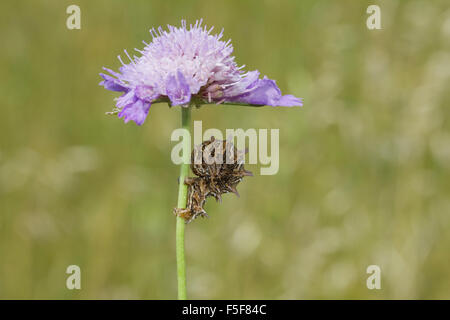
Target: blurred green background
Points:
(364, 165)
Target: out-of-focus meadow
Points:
(364, 165)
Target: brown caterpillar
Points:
(219, 168)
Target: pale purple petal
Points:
(265, 92)
(136, 112)
(289, 100)
(178, 90)
(126, 99)
(146, 93)
(111, 83)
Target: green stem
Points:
(182, 200)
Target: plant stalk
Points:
(182, 200)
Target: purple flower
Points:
(184, 65)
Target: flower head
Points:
(183, 65)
